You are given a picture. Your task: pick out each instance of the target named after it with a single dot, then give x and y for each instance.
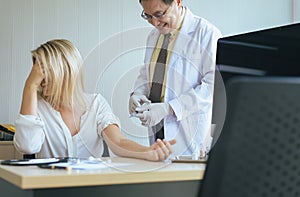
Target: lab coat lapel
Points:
(153, 37)
(184, 36)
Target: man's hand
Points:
(153, 113)
(136, 100)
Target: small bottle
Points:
(196, 152)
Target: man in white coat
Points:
(183, 109)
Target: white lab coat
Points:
(189, 84)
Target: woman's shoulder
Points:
(90, 97)
(95, 100)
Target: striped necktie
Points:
(157, 83)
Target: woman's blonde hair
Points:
(62, 66)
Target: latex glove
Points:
(136, 100)
(153, 113)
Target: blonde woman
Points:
(57, 119)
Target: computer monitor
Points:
(272, 52)
(269, 52)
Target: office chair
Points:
(258, 152)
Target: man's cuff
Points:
(176, 108)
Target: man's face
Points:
(162, 16)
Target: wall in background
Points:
(296, 10)
(111, 36)
(239, 16)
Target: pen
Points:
(52, 167)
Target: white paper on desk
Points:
(81, 166)
(88, 165)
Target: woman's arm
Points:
(128, 148)
(29, 137)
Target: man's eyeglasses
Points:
(155, 16)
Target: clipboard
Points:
(188, 159)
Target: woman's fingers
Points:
(172, 142)
(163, 148)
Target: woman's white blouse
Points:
(46, 135)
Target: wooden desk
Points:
(136, 178)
